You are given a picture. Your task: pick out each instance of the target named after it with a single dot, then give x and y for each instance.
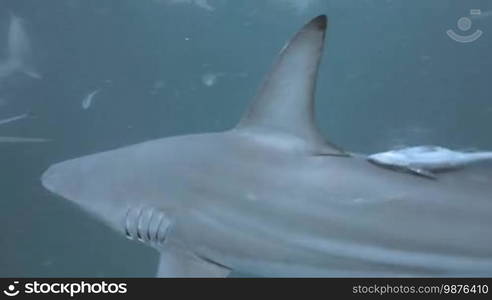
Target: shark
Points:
(274, 198)
(19, 52)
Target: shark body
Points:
(272, 197)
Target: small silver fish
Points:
(210, 79)
(425, 160)
(12, 119)
(87, 102)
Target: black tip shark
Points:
(273, 197)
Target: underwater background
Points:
(390, 77)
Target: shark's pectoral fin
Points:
(177, 262)
(285, 101)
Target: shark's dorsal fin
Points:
(285, 101)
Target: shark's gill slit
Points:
(128, 224)
(162, 230)
(147, 225)
(140, 226)
(155, 229)
(149, 231)
(127, 232)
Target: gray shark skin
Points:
(272, 198)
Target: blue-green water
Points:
(390, 76)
